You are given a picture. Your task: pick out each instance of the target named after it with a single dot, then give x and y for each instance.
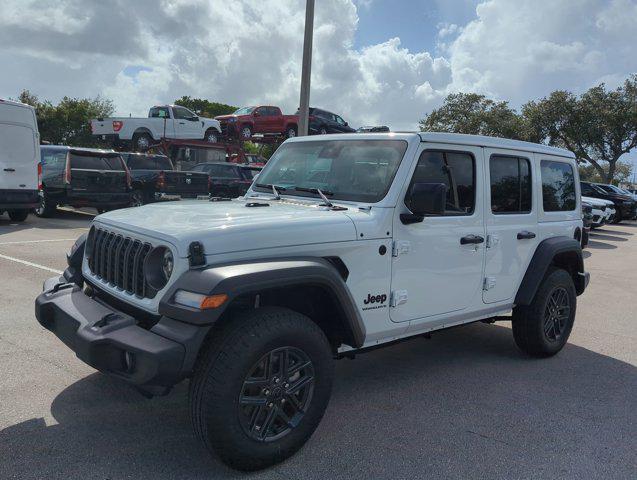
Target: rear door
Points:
(19, 149)
(96, 172)
(511, 221)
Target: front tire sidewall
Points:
(45, 209)
(218, 408)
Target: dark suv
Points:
(322, 122)
(154, 178)
(625, 206)
(82, 177)
(228, 179)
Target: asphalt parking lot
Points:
(465, 404)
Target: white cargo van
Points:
(19, 159)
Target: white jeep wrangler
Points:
(342, 244)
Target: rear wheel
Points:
(261, 388)
(18, 215)
(137, 198)
(291, 132)
(542, 328)
(46, 207)
(323, 131)
(142, 141)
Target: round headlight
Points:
(158, 267)
(167, 264)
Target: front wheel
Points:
(246, 132)
(142, 142)
(211, 136)
(261, 388)
(18, 215)
(542, 328)
(291, 132)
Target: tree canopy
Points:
(205, 108)
(68, 122)
(599, 126)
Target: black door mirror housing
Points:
(425, 199)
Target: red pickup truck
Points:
(262, 119)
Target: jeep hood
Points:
(232, 226)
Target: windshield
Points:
(353, 170)
(244, 111)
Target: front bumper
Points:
(116, 343)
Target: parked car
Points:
(82, 177)
(154, 178)
(603, 211)
(625, 207)
(255, 159)
(229, 180)
(322, 122)
(370, 129)
(164, 121)
(19, 159)
(252, 299)
(262, 119)
(587, 220)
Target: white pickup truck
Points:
(165, 121)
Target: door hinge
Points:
(398, 297)
(400, 247)
(488, 284)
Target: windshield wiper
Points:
(319, 192)
(275, 189)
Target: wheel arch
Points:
(562, 252)
(140, 130)
(314, 287)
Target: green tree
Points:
(68, 122)
(475, 114)
(205, 108)
(623, 173)
(599, 126)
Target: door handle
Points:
(525, 235)
(471, 240)
(182, 123)
(9, 169)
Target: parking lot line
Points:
(30, 264)
(18, 242)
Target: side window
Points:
(182, 113)
(231, 172)
(159, 112)
(456, 170)
(339, 120)
(558, 186)
(263, 111)
(510, 184)
(273, 111)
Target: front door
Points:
(437, 263)
(187, 124)
(511, 218)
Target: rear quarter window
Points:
(558, 186)
(96, 162)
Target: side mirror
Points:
(346, 124)
(194, 119)
(425, 199)
(256, 114)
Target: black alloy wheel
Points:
(557, 314)
(276, 394)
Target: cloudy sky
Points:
(375, 61)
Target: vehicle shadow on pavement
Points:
(608, 236)
(592, 244)
(465, 404)
(62, 219)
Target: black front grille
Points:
(119, 261)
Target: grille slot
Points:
(119, 261)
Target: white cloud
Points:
(146, 52)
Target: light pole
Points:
(306, 69)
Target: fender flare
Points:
(561, 251)
(140, 130)
(236, 279)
